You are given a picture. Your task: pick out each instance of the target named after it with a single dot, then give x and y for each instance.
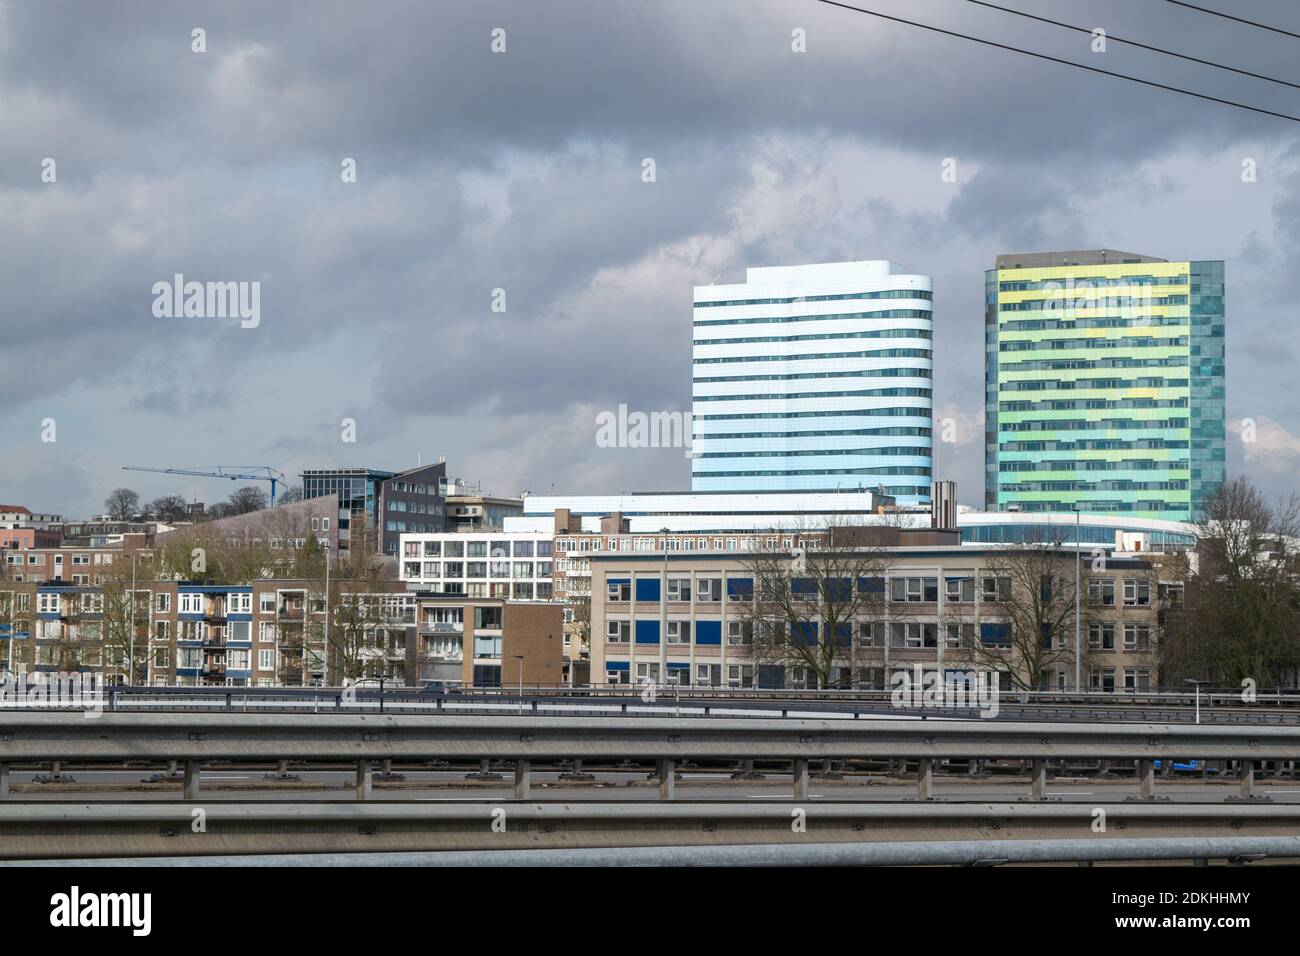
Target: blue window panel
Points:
(679, 666)
(771, 676)
(839, 590)
(617, 665)
(647, 632)
(647, 589)
(871, 585)
(805, 632)
(804, 587)
(618, 580)
(740, 587)
(995, 635)
(843, 635)
(708, 632)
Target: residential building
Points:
(1104, 384)
(813, 378)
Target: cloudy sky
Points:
(521, 170)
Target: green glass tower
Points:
(1104, 383)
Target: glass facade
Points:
(815, 377)
(1104, 386)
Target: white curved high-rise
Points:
(814, 377)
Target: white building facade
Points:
(814, 377)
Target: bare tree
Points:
(1240, 613)
(122, 504)
(247, 499)
(168, 508)
(809, 599)
(1026, 616)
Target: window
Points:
(161, 657)
(618, 632)
(708, 590)
(740, 632)
(871, 633)
(523, 549)
(679, 632)
(1137, 637)
(740, 675)
(904, 634)
(914, 590)
(619, 590)
(266, 632)
(1137, 592)
(1101, 592)
(240, 603)
(266, 660)
(266, 602)
(163, 602)
(1101, 637)
(679, 589)
(995, 589)
(1137, 680)
(432, 549)
(191, 603)
(956, 636)
(959, 590)
(1102, 679)
(160, 631)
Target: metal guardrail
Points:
(1225, 698)
(634, 834)
(363, 739)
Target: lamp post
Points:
(1197, 684)
(663, 634)
(1078, 555)
(325, 629)
(130, 643)
(520, 659)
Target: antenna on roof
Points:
(716, 277)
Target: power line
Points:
(1144, 46)
(1057, 59)
(1229, 16)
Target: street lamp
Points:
(1197, 684)
(130, 644)
(1078, 553)
(663, 633)
(520, 659)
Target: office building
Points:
(1104, 384)
(814, 378)
(380, 506)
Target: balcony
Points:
(442, 627)
(214, 670)
(290, 612)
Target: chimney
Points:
(943, 506)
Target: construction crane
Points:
(233, 472)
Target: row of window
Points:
(476, 569)
(476, 549)
(920, 589)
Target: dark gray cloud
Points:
(522, 171)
